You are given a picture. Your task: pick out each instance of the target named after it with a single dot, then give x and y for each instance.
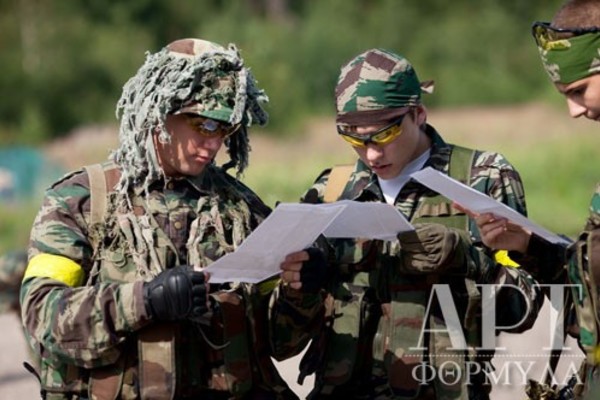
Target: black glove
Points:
(433, 248)
(175, 294)
(315, 272)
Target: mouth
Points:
(203, 159)
(379, 168)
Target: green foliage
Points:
(15, 224)
(558, 183)
(64, 63)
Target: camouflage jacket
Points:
(583, 270)
(95, 336)
(577, 265)
(12, 268)
(375, 311)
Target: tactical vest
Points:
(164, 361)
(375, 315)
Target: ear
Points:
(420, 115)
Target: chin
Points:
(194, 171)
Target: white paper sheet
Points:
(292, 227)
(478, 202)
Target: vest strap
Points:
(156, 353)
(105, 383)
(338, 178)
(98, 193)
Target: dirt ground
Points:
(496, 128)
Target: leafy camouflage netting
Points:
(170, 80)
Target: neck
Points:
(423, 144)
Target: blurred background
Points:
(64, 65)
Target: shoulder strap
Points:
(102, 181)
(461, 161)
(338, 178)
(98, 193)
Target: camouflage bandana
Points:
(571, 59)
(191, 76)
(376, 87)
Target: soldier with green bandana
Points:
(382, 335)
(114, 298)
(569, 48)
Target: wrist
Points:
(147, 310)
(525, 243)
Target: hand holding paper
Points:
(293, 227)
(498, 232)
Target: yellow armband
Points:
(596, 355)
(59, 268)
(267, 286)
(501, 257)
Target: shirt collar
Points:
(438, 159)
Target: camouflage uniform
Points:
(374, 309)
(12, 268)
(577, 265)
(570, 54)
(93, 331)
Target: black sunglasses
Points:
(543, 32)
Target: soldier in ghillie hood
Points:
(380, 338)
(569, 48)
(114, 298)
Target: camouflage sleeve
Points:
(593, 227)
(78, 324)
(493, 175)
(583, 265)
(314, 194)
(545, 261)
(296, 317)
(594, 218)
(520, 298)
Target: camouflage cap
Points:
(215, 97)
(376, 86)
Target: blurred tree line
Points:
(64, 62)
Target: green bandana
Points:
(572, 59)
(376, 87)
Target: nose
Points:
(374, 152)
(576, 109)
(212, 143)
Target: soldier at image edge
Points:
(568, 46)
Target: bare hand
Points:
(498, 233)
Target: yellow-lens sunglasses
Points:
(381, 137)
